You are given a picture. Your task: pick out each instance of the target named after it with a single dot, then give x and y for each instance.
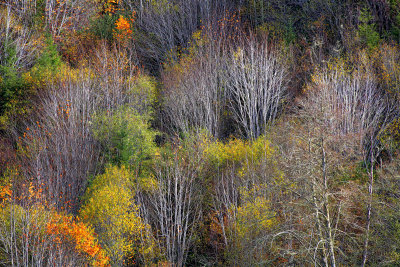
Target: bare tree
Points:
(24, 9)
(173, 207)
(318, 228)
(16, 38)
(116, 75)
(59, 151)
(62, 15)
(58, 148)
(244, 80)
(195, 87)
(58, 15)
(352, 101)
(342, 111)
(193, 96)
(388, 56)
(256, 82)
(167, 26)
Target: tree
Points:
(31, 233)
(109, 206)
(369, 36)
(126, 139)
(350, 99)
(57, 147)
(246, 77)
(194, 97)
(18, 42)
(164, 27)
(246, 187)
(173, 205)
(334, 132)
(384, 241)
(18, 51)
(256, 85)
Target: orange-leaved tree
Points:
(123, 30)
(33, 233)
(76, 235)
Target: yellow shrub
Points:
(110, 208)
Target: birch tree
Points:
(57, 146)
(339, 122)
(173, 206)
(256, 82)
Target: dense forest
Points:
(199, 133)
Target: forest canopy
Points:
(199, 133)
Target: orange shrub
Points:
(123, 29)
(79, 235)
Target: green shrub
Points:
(366, 30)
(103, 26)
(126, 138)
(14, 90)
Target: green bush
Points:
(49, 60)
(17, 88)
(395, 13)
(366, 30)
(14, 90)
(103, 27)
(126, 138)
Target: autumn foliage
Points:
(40, 230)
(199, 133)
(123, 29)
(78, 235)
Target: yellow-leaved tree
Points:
(110, 208)
(246, 183)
